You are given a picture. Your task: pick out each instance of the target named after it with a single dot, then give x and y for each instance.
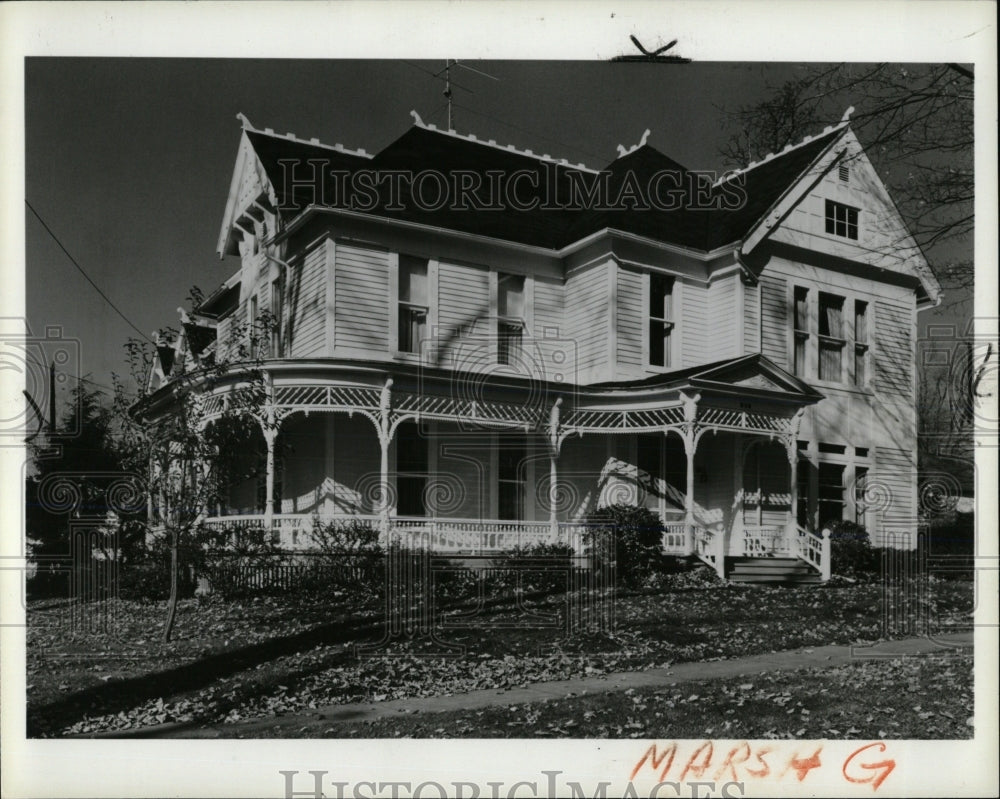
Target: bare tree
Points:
(916, 124)
(189, 450)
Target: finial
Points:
(247, 125)
(847, 114)
(621, 150)
(416, 118)
(642, 141)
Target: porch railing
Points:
(813, 549)
(766, 541)
(709, 547)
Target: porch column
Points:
(384, 439)
(270, 434)
(792, 451)
(689, 449)
(690, 436)
(554, 469)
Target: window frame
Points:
(861, 345)
(507, 327)
(521, 479)
(827, 342)
(841, 220)
(672, 354)
(848, 343)
(430, 322)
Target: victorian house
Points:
(482, 344)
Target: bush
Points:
(637, 535)
(851, 552)
(534, 568)
(147, 579)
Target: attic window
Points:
(845, 173)
(841, 220)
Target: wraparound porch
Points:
(527, 472)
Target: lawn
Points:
(921, 697)
(236, 660)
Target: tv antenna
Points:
(445, 74)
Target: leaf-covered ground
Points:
(267, 656)
(923, 697)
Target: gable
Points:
(845, 178)
(754, 372)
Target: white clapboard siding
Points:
(630, 318)
(223, 331)
(751, 319)
(724, 324)
(557, 354)
(587, 317)
(893, 349)
(463, 306)
(694, 324)
(774, 321)
(896, 476)
(362, 298)
(307, 306)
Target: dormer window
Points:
(510, 317)
(413, 293)
(841, 220)
(661, 318)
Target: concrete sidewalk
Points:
(321, 719)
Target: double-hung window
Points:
(832, 337)
(413, 305)
(801, 331)
(511, 479)
(277, 302)
(860, 484)
(861, 345)
(841, 220)
(831, 493)
(510, 317)
(661, 318)
(411, 470)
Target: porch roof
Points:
(747, 375)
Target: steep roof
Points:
(729, 209)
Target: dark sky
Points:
(129, 160)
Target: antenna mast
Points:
(447, 89)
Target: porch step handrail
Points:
(709, 547)
(814, 549)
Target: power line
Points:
(82, 272)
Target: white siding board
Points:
(694, 318)
(587, 318)
(896, 473)
(629, 320)
(893, 349)
(361, 295)
(774, 319)
(307, 306)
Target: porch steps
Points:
(787, 571)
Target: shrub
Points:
(349, 555)
(147, 579)
(851, 552)
(534, 568)
(637, 535)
